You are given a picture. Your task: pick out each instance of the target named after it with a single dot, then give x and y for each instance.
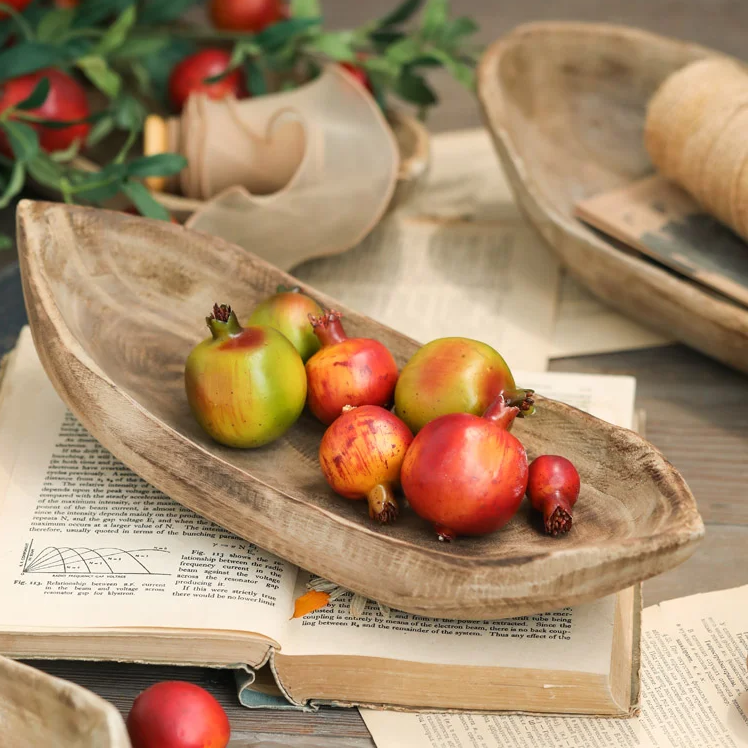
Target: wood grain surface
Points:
(116, 303)
(697, 409)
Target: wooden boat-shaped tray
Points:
(565, 104)
(116, 303)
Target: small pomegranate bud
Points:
(245, 386)
(467, 474)
(455, 375)
(346, 371)
(361, 455)
(553, 489)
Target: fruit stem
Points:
(445, 534)
(223, 322)
(382, 504)
(556, 515)
(327, 327)
(522, 399)
(501, 413)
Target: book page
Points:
(572, 639)
(84, 542)
(585, 326)
(496, 283)
(467, 183)
(578, 639)
(694, 692)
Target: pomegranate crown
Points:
(325, 319)
(220, 313)
(327, 327)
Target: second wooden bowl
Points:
(565, 104)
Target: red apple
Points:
(246, 15)
(175, 714)
(66, 101)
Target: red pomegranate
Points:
(361, 455)
(189, 76)
(346, 371)
(553, 489)
(466, 474)
(65, 102)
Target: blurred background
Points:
(721, 24)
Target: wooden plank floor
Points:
(696, 409)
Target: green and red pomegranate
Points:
(246, 386)
(455, 375)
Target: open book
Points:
(97, 564)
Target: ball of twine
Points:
(696, 134)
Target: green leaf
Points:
(54, 24)
(435, 18)
(144, 201)
(97, 70)
(413, 88)
(28, 57)
(23, 139)
(100, 130)
(6, 242)
(458, 28)
(305, 9)
(461, 71)
(337, 45)
(160, 165)
(272, 38)
(255, 77)
(400, 14)
(383, 38)
(132, 49)
(68, 154)
(129, 113)
(98, 187)
(404, 51)
(37, 97)
(116, 34)
(163, 11)
(45, 171)
(15, 184)
(92, 12)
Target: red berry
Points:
(246, 15)
(66, 101)
(190, 74)
(174, 714)
(359, 74)
(19, 5)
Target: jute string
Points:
(696, 134)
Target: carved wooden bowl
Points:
(566, 103)
(39, 710)
(116, 303)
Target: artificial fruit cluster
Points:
(463, 471)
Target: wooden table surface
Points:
(696, 409)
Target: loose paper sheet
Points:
(495, 282)
(585, 326)
(467, 183)
(694, 693)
